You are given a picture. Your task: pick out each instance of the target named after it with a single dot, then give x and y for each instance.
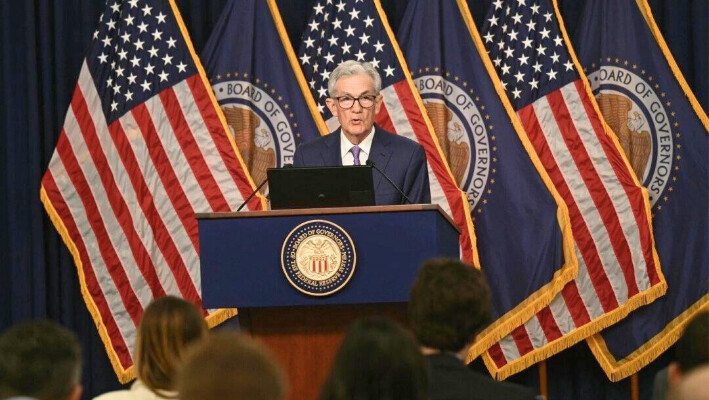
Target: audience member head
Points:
(692, 348)
(377, 360)
(40, 359)
(229, 365)
(693, 385)
(169, 325)
(448, 305)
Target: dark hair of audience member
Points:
(229, 365)
(39, 359)
(449, 304)
(377, 360)
(692, 348)
(692, 385)
(168, 326)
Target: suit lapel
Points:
(331, 152)
(380, 153)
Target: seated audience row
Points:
(449, 305)
(378, 359)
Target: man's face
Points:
(356, 121)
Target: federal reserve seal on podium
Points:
(318, 257)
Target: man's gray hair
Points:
(353, 67)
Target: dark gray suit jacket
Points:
(401, 159)
(452, 380)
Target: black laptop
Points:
(313, 187)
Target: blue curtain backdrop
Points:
(41, 51)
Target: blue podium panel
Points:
(240, 254)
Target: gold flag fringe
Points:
(574, 336)
(405, 69)
(215, 103)
(622, 311)
(567, 272)
(617, 370)
(124, 374)
(634, 362)
(297, 71)
(647, 14)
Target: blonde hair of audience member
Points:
(229, 365)
(168, 326)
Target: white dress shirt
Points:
(365, 148)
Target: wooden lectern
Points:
(240, 255)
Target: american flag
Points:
(358, 29)
(500, 172)
(610, 214)
(664, 114)
(142, 149)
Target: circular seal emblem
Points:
(262, 126)
(462, 133)
(639, 116)
(318, 257)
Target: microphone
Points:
(259, 188)
(371, 164)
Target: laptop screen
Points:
(314, 187)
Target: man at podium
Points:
(354, 99)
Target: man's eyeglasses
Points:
(347, 102)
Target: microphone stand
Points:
(252, 195)
(373, 165)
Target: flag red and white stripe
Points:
(123, 193)
(609, 210)
(400, 113)
(355, 29)
(606, 279)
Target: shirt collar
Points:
(365, 146)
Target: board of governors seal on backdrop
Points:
(461, 132)
(318, 257)
(634, 108)
(262, 127)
